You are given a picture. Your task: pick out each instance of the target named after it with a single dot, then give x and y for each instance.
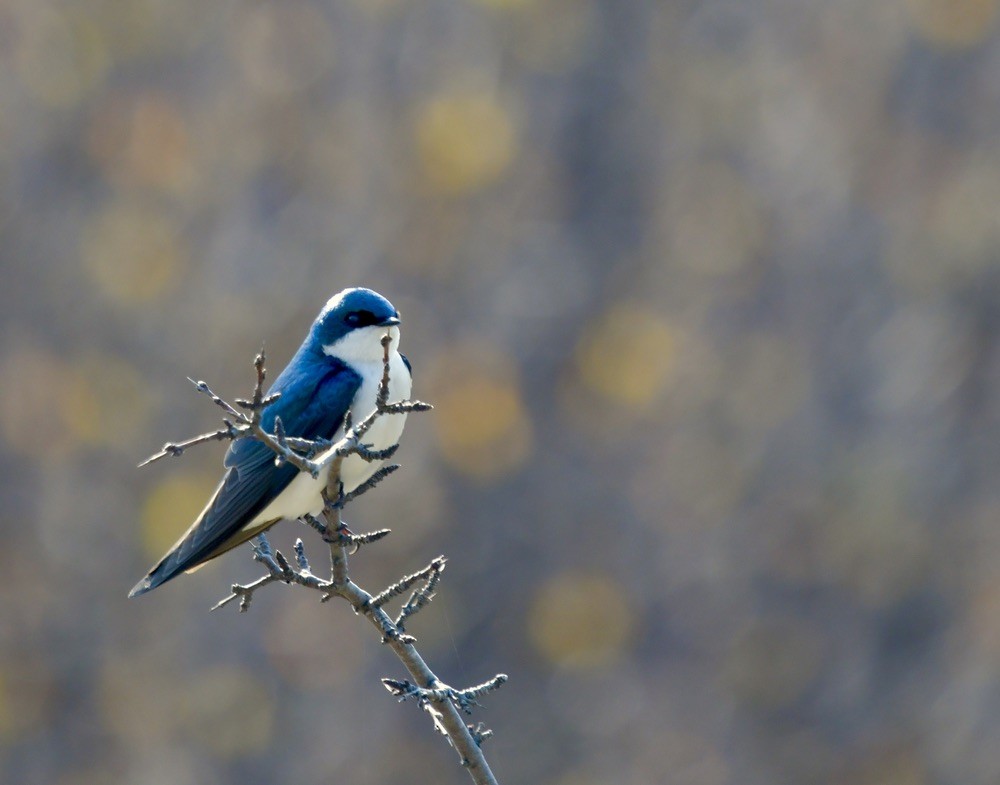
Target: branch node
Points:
(428, 573)
(343, 499)
(422, 596)
(300, 555)
(479, 733)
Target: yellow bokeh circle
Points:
(170, 508)
(628, 356)
(581, 620)
(48, 406)
(143, 141)
(465, 141)
(481, 422)
(953, 24)
(60, 57)
(133, 253)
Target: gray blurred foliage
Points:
(706, 295)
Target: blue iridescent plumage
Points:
(316, 390)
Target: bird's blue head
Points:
(352, 323)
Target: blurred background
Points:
(707, 297)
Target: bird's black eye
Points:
(360, 319)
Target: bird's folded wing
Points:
(308, 409)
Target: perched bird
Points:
(338, 367)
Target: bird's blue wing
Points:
(314, 399)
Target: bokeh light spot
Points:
(628, 356)
(133, 253)
(116, 411)
(953, 23)
(581, 620)
(283, 47)
(170, 508)
(482, 427)
(47, 407)
(466, 141)
(60, 57)
(142, 142)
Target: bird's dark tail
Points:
(170, 566)
(160, 574)
(182, 558)
(221, 526)
(211, 535)
(148, 583)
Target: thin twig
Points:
(203, 387)
(403, 584)
(422, 596)
(176, 449)
(377, 476)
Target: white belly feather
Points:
(304, 494)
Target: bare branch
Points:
(244, 593)
(463, 699)
(258, 390)
(202, 387)
(357, 540)
(480, 733)
(300, 556)
(177, 449)
(454, 701)
(444, 703)
(422, 596)
(382, 396)
(369, 455)
(403, 584)
(377, 476)
(261, 552)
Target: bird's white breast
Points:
(304, 494)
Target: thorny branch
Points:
(444, 703)
(464, 699)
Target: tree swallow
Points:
(338, 367)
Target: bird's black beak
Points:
(392, 321)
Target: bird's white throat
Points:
(362, 345)
(304, 494)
